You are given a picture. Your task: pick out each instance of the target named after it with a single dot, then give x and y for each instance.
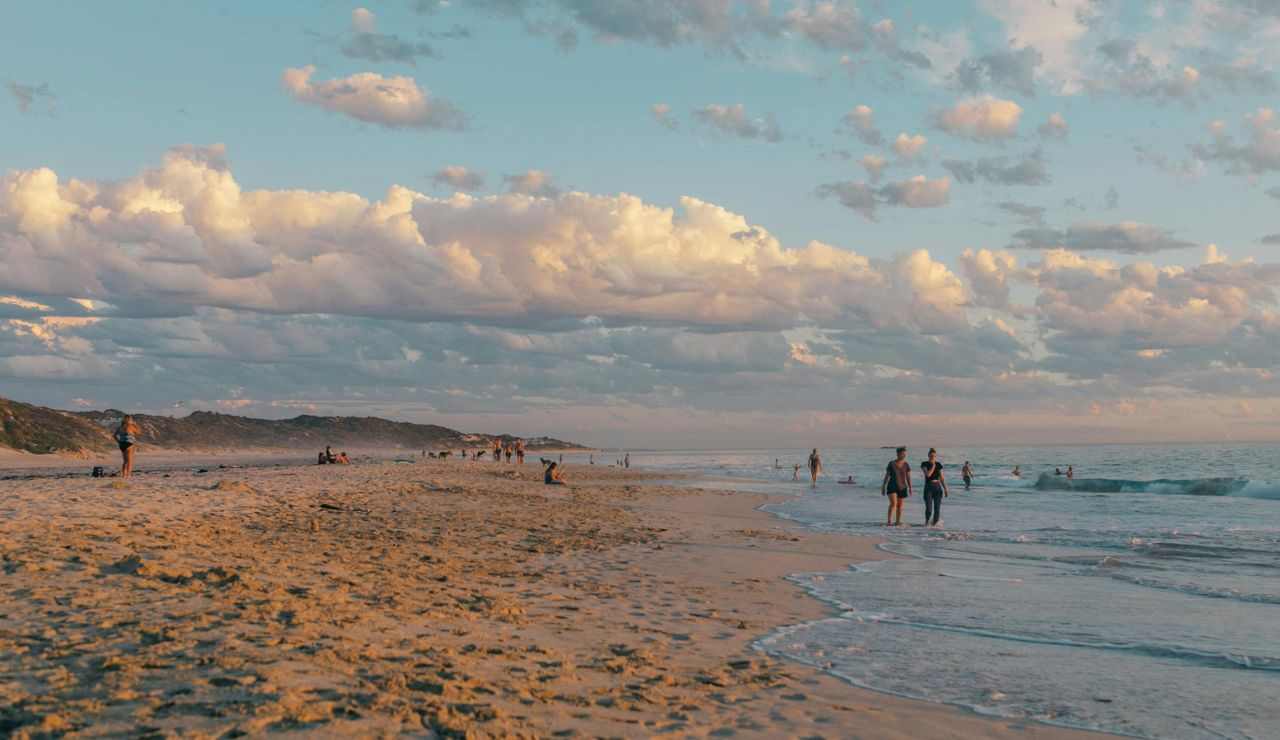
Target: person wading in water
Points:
(897, 486)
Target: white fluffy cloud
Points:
(393, 102)
(178, 279)
(908, 147)
(187, 234)
(983, 118)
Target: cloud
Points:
(733, 120)
(179, 285)
(1052, 29)
(990, 273)
(364, 42)
(1126, 69)
(186, 232)
(874, 165)
(1031, 215)
(1054, 127)
(1126, 238)
(1028, 170)
(661, 113)
(392, 102)
(1012, 69)
(1258, 155)
(27, 96)
(916, 192)
(982, 118)
(459, 178)
(909, 147)
(861, 121)
(536, 183)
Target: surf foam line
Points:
(1269, 490)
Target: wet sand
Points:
(438, 598)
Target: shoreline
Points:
(441, 597)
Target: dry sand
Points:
(440, 598)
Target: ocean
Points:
(1141, 598)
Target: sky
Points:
(655, 223)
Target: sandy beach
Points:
(438, 598)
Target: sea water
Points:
(1141, 598)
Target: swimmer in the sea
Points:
(1017, 471)
(1071, 473)
(967, 473)
(847, 481)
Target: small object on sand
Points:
(331, 507)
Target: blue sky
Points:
(1167, 148)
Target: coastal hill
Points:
(43, 430)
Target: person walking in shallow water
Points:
(967, 473)
(935, 489)
(897, 486)
(126, 436)
(815, 467)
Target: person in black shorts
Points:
(897, 486)
(935, 488)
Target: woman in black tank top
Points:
(935, 488)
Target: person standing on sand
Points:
(815, 467)
(935, 488)
(897, 486)
(520, 451)
(626, 461)
(497, 450)
(967, 473)
(126, 436)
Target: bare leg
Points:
(893, 503)
(126, 466)
(898, 523)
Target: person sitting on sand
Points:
(815, 467)
(329, 457)
(897, 486)
(343, 459)
(126, 437)
(967, 473)
(553, 476)
(320, 458)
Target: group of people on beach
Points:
(329, 457)
(897, 484)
